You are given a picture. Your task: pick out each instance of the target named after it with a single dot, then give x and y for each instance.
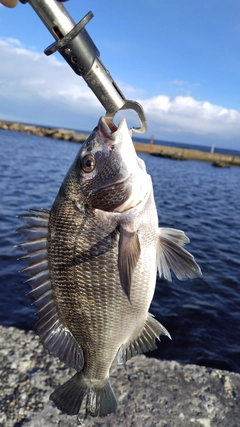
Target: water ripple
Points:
(202, 315)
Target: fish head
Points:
(107, 174)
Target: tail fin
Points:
(100, 401)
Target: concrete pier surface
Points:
(176, 153)
(150, 392)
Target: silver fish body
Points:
(93, 261)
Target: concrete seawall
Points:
(185, 153)
(161, 150)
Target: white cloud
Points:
(183, 84)
(44, 87)
(130, 92)
(178, 82)
(39, 89)
(184, 114)
(15, 42)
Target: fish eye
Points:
(88, 163)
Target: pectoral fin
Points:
(128, 256)
(172, 255)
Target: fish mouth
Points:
(132, 168)
(110, 133)
(117, 138)
(107, 128)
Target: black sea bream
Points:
(93, 261)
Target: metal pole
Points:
(77, 48)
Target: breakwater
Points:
(55, 133)
(187, 154)
(176, 153)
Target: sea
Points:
(203, 314)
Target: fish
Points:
(93, 260)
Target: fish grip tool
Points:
(77, 48)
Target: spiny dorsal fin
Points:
(144, 342)
(170, 254)
(52, 332)
(128, 256)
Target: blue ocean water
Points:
(203, 314)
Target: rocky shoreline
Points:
(150, 393)
(55, 133)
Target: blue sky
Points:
(179, 58)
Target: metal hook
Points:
(135, 106)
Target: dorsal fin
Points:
(128, 256)
(54, 335)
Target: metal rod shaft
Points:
(80, 53)
(77, 48)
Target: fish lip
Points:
(108, 130)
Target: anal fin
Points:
(144, 342)
(54, 335)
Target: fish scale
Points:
(103, 310)
(92, 262)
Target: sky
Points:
(179, 58)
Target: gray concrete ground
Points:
(150, 393)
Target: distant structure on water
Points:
(212, 148)
(151, 140)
